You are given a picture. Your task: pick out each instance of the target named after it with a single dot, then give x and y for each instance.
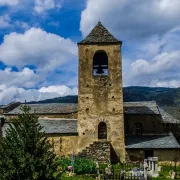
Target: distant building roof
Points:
(144, 107)
(9, 107)
(53, 126)
(167, 118)
(99, 34)
(130, 108)
(156, 141)
(50, 108)
(10, 104)
(149, 107)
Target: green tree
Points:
(25, 153)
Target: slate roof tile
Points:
(49, 108)
(53, 126)
(142, 107)
(156, 141)
(167, 118)
(99, 34)
(130, 108)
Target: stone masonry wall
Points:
(100, 99)
(64, 145)
(99, 151)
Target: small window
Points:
(100, 64)
(138, 129)
(102, 130)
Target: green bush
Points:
(81, 165)
(25, 152)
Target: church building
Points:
(101, 126)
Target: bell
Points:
(99, 70)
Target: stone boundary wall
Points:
(99, 151)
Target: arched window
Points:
(138, 129)
(100, 63)
(102, 130)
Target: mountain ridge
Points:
(168, 98)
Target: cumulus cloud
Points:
(44, 5)
(5, 21)
(127, 20)
(162, 70)
(36, 47)
(21, 25)
(36, 55)
(12, 93)
(150, 31)
(25, 78)
(157, 63)
(61, 90)
(8, 2)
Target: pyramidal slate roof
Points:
(99, 35)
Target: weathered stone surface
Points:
(64, 145)
(100, 99)
(99, 151)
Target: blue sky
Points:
(38, 43)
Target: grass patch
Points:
(79, 177)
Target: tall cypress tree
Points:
(25, 153)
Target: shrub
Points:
(25, 152)
(81, 165)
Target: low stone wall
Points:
(99, 151)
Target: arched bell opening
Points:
(102, 131)
(100, 63)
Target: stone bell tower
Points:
(100, 97)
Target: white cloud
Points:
(36, 47)
(162, 70)
(44, 5)
(150, 31)
(22, 25)
(161, 63)
(12, 93)
(128, 20)
(25, 78)
(170, 83)
(8, 2)
(59, 89)
(45, 52)
(5, 21)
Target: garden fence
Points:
(127, 172)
